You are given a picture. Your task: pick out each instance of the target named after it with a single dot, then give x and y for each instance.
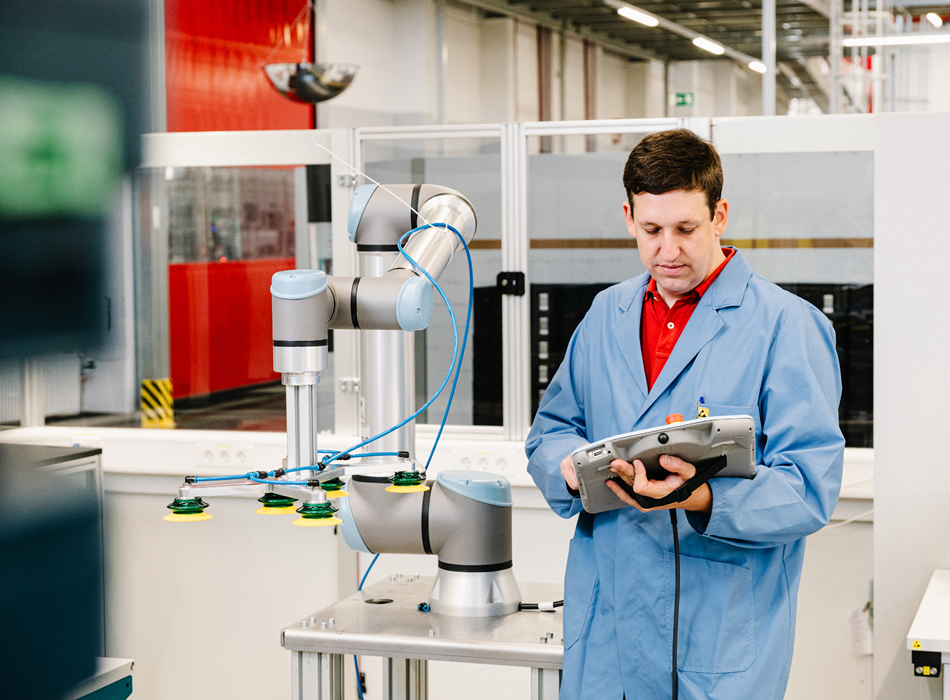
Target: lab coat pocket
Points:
(717, 615)
(581, 585)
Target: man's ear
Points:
(628, 217)
(721, 217)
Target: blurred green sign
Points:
(685, 99)
(60, 149)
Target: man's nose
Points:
(668, 246)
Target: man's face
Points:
(677, 241)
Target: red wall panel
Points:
(214, 50)
(220, 324)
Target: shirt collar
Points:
(697, 293)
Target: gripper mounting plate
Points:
(698, 442)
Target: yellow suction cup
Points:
(407, 482)
(317, 522)
(187, 510)
(186, 517)
(316, 515)
(407, 489)
(334, 488)
(275, 504)
(270, 510)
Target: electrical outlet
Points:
(237, 456)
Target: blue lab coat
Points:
(749, 348)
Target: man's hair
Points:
(671, 160)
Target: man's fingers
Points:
(677, 466)
(567, 471)
(625, 470)
(635, 475)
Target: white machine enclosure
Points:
(697, 441)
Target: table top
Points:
(930, 630)
(362, 624)
(42, 455)
(108, 671)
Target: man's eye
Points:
(651, 231)
(687, 230)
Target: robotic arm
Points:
(463, 517)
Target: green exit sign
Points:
(684, 99)
(60, 149)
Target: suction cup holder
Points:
(310, 83)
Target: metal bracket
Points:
(346, 180)
(511, 283)
(926, 663)
(350, 385)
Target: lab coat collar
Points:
(627, 328)
(727, 291)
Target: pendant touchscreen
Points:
(703, 442)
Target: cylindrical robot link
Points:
(450, 207)
(398, 301)
(301, 307)
(465, 518)
(443, 526)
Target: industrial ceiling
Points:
(802, 31)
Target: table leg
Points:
(316, 676)
(405, 679)
(545, 683)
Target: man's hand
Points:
(567, 471)
(636, 476)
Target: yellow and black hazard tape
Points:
(158, 406)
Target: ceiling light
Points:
(707, 45)
(757, 66)
(637, 16)
(935, 19)
(898, 40)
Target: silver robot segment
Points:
(301, 308)
(377, 220)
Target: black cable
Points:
(538, 606)
(676, 597)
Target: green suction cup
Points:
(316, 515)
(334, 488)
(275, 504)
(187, 510)
(407, 482)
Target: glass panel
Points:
(621, 142)
(208, 241)
(806, 222)
(579, 244)
(230, 214)
(473, 167)
(803, 220)
(229, 231)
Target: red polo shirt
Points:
(661, 327)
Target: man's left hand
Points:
(680, 472)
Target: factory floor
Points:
(261, 407)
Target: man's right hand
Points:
(567, 471)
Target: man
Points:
(700, 331)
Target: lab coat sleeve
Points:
(798, 477)
(559, 428)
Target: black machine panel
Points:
(557, 309)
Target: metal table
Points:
(929, 636)
(384, 620)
